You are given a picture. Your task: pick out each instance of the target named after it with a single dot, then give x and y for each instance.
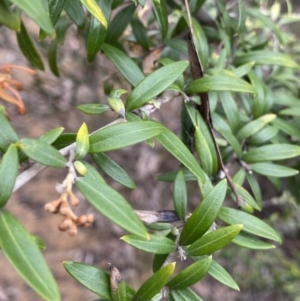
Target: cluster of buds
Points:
(70, 221)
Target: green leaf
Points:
(243, 70)
(231, 140)
(255, 187)
(124, 134)
(111, 204)
(177, 45)
(185, 294)
(271, 152)
(93, 7)
(290, 112)
(242, 17)
(273, 170)
(180, 196)
(266, 57)
(93, 108)
(161, 13)
(213, 241)
(94, 279)
(191, 274)
(112, 169)
(36, 11)
(157, 244)
(8, 173)
(7, 133)
(42, 152)
(247, 197)
(175, 146)
(264, 135)
(171, 176)
(140, 33)
(92, 173)
(251, 224)
(154, 84)
(28, 49)
(55, 9)
(286, 127)
(52, 58)
(155, 283)
(74, 10)
(61, 28)
(119, 23)
(52, 135)
(125, 64)
(82, 142)
(39, 242)
(219, 83)
(221, 275)
(254, 126)
(23, 253)
(8, 17)
(64, 140)
(204, 215)
(248, 241)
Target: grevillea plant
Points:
(234, 66)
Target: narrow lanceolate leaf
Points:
(160, 9)
(191, 274)
(36, 11)
(55, 9)
(171, 176)
(111, 204)
(180, 196)
(265, 57)
(97, 31)
(93, 108)
(185, 294)
(95, 10)
(221, 275)
(140, 33)
(247, 197)
(23, 253)
(8, 173)
(52, 58)
(7, 133)
(52, 135)
(155, 283)
(92, 173)
(273, 170)
(94, 279)
(242, 17)
(286, 127)
(254, 126)
(154, 84)
(176, 147)
(123, 135)
(264, 135)
(82, 142)
(219, 83)
(251, 224)
(112, 169)
(231, 139)
(213, 241)
(204, 215)
(248, 241)
(157, 244)
(271, 152)
(125, 64)
(75, 11)
(28, 49)
(42, 152)
(8, 17)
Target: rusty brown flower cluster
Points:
(71, 221)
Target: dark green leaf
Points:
(112, 169)
(251, 224)
(23, 253)
(82, 142)
(42, 152)
(123, 135)
(93, 108)
(219, 83)
(154, 84)
(8, 173)
(180, 196)
(125, 64)
(185, 294)
(175, 146)
(36, 11)
(171, 176)
(7, 133)
(55, 9)
(191, 274)
(242, 17)
(52, 58)
(140, 33)
(213, 241)
(156, 244)
(96, 31)
(251, 242)
(271, 152)
(61, 28)
(155, 283)
(204, 215)
(74, 10)
(28, 49)
(273, 170)
(64, 140)
(111, 204)
(8, 17)
(221, 275)
(160, 9)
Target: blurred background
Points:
(51, 102)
